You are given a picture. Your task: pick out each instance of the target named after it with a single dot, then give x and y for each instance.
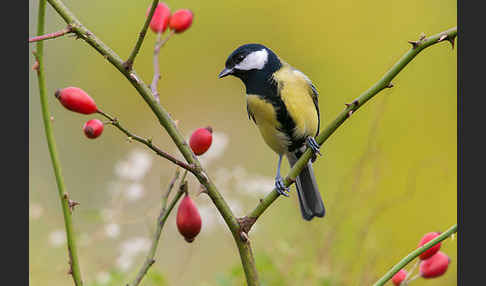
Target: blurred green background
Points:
(387, 176)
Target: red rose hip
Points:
(434, 266)
(188, 219)
(398, 278)
(77, 100)
(201, 140)
(93, 128)
(160, 19)
(431, 251)
(181, 20)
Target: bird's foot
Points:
(280, 186)
(312, 144)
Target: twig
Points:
(51, 35)
(164, 214)
(414, 254)
(159, 44)
(74, 269)
(169, 125)
(350, 109)
(147, 142)
(128, 64)
(167, 122)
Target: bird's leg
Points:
(312, 144)
(279, 183)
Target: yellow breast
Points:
(296, 93)
(266, 120)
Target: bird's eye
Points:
(240, 57)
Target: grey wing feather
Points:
(315, 98)
(314, 95)
(250, 115)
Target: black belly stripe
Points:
(271, 94)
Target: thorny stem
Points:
(414, 254)
(74, 269)
(128, 64)
(158, 44)
(168, 123)
(164, 214)
(351, 108)
(51, 35)
(146, 142)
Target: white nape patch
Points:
(254, 60)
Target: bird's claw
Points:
(312, 144)
(280, 186)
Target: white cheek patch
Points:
(254, 60)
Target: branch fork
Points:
(239, 228)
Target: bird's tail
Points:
(310, 200)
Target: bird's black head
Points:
(251, 62)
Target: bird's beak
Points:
(225, 72)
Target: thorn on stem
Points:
(35, 67)
(129, 139)
(134, 77)
(352, 104)
(414, 44)
(245, 224)
(451, 40)
(417, 43)
(390, 85)
(72, 204)
(128, 65)
(244, 236)
(202, 189)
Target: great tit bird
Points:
(282, 101)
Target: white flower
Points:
(112, 230)
(218, 146)
(134, 192)
(135, 167)
(35, 211)
(57, 237)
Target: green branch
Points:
(66, 203)
(129, 63)
(169, 125)
(239, 228)
(147, 142)
(384, 82)
(414, 254)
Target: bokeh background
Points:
(387, 176)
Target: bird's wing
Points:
(314, 94)
(250, 115)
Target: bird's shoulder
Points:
(288, 75)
